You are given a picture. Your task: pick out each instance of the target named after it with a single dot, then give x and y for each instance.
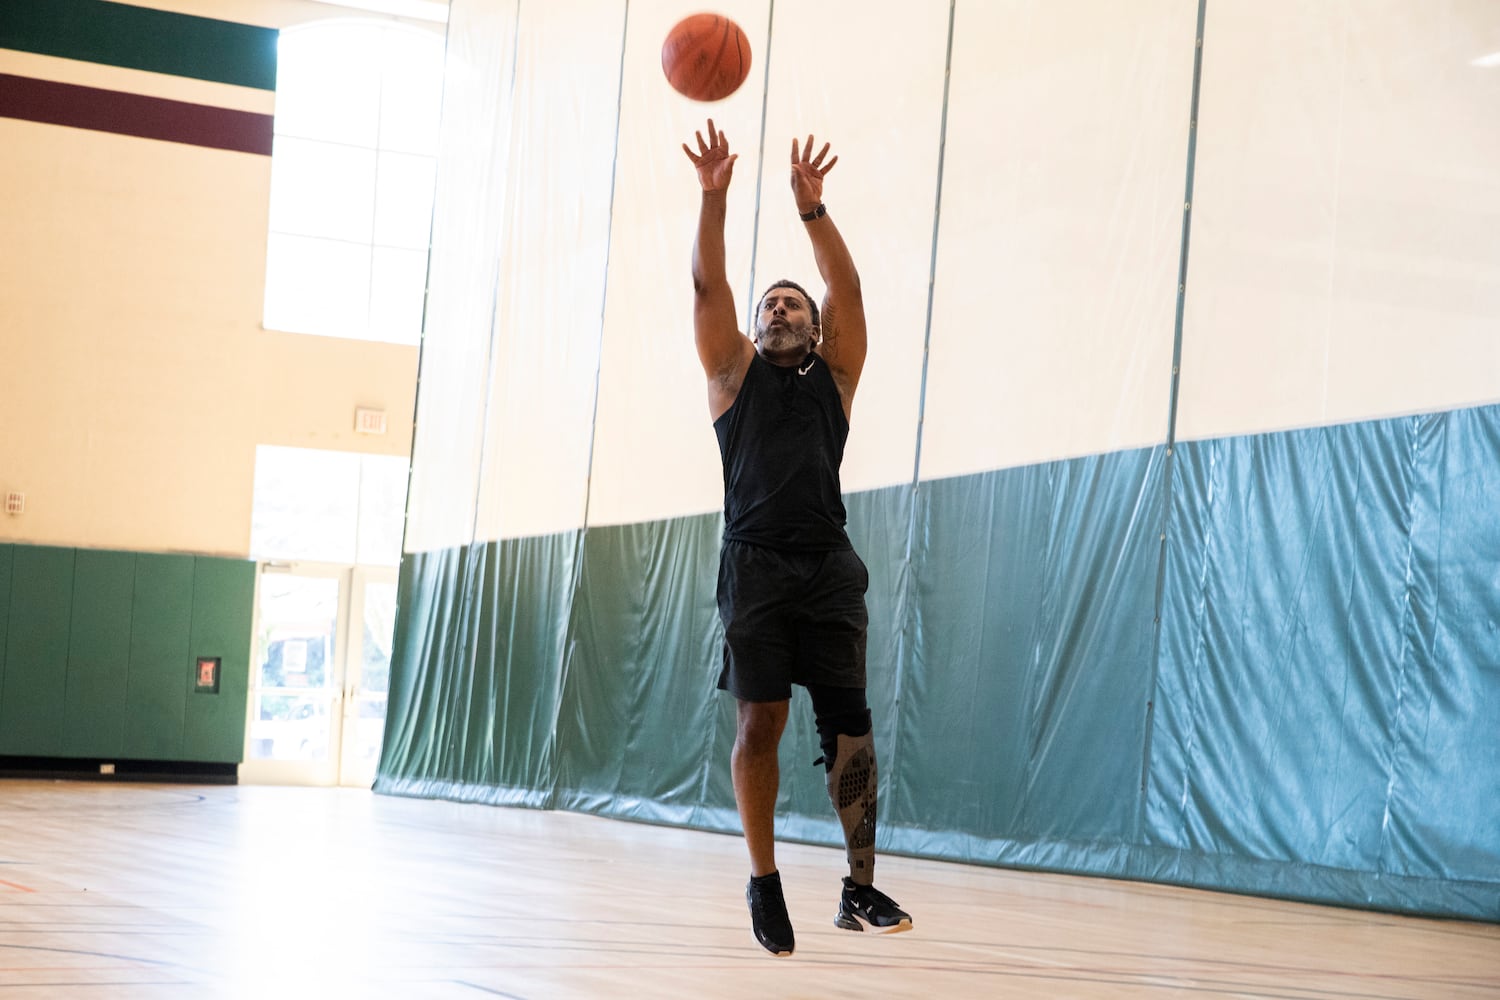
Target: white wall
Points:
(1343, 265)
(136, 378)
(1346, 262)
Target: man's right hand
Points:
(713, 160)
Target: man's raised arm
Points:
(722, 350)
(843, 320)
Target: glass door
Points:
(368, 675)
(320, 674)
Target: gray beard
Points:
(781, 338)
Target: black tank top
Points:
(782, 442)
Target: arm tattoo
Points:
(829, 327)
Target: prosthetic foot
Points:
(862, 906)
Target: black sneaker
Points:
(867, 903)
(773, 928)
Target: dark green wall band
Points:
(134, 114)
(158, 41)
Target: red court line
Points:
(17, 886)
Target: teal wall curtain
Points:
(1309, 713)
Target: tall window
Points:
(352, 169)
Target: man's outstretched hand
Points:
(713, 160)
(808, 172)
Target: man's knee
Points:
(838, 712)
(759, 725)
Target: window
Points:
(352, 169)
(327, 506)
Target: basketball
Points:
(706, 57)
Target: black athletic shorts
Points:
(791, 618)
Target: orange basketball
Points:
(706, 57)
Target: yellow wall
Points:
(136, 379)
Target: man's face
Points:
(784, 321)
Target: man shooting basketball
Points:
(791, 588)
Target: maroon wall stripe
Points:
(133, 114)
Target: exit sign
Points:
(369, 421)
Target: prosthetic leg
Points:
(851, 787)
(844, 731)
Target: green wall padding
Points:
(160, 657)
(1274, 672)
(1260, 678)
(1445, 746)
(494, 617)
(645, 599)
(223, 600)
(7, 559)
(98, 654)
(521, 621)
(1033, 624)
(31, 699)
(429, 598)
(451, 738)
(1330, 680)
(98, 648)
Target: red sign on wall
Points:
(207, 678)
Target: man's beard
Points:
(781, 337)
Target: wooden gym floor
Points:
(112, 890)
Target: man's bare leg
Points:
(757, 776)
